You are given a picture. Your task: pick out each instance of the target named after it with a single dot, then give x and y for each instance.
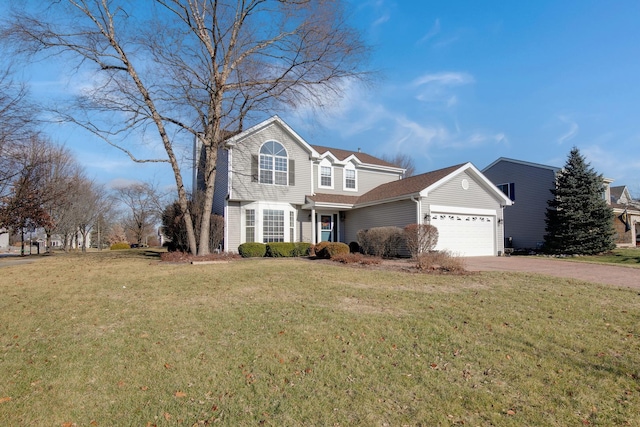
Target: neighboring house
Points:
(271, 186)
(529, 186)
(4, 239)
(627, 215)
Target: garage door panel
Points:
(465, 235)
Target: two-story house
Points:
(529, 186)
(271, 185)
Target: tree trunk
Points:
(207, 203)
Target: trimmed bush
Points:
(302, 249)
(381, 241)
(328, 250)
(120, 246)
(252, 250)
(280, 249)
(286, 249)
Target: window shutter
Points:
(512, 191)
(292, 172)
(254, 168)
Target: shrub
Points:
(119, 246)
(280, 249)
(440, 260)
(328, 250)
(302, 249)
(381, 241)
(174, 228)
(286, 249)
(420, 238)
(252, 250)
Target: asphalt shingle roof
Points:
(343, 154)
(394, 189)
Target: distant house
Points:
(4, 239)
(271, 186)
(529, 186)
(627, 216)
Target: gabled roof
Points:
(414, 186)
(316, 151)
(617, 192)
(266, 123)
(406, 187)
(521, 162)
(345, 155)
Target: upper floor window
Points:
(509, 190)
(273, 163)
(350, 178)
(326, 174)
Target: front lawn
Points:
(109, 339)
(629, 257)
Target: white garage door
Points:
(465, 235)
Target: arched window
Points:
(273, 163)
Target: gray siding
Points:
(398, 214)
(525, 220)
(245, 188)
(233, 224)
(366, 180)
(304, 226)
(221, 182)
(451, 193)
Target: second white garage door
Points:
(465, 235)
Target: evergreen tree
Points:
(578, 219)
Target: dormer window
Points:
(273, 163)
(326, 174)
(350, 182)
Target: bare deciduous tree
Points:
(142, 209)
(15, 128)
(198, 68)
(404, 161)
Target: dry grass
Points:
(122, 339)
(440, 261)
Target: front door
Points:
(326, 228)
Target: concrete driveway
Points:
(594, 273)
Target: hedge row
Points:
(274, 249)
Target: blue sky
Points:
(467, 81)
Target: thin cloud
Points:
(572, 132)
(436, 87)
(447, 78)
(381, 20)
(433, 31)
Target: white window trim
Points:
(349, 166)
(259, 208)
(325, 163)
(273, 170)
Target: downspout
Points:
(418, 209)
